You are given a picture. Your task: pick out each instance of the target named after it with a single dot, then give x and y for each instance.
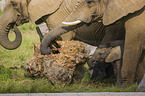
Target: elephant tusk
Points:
(72, 23)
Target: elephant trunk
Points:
(8, 20)
(4, 40)
(91, 62)
(48, 38)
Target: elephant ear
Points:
(39, 8)
(115, 54)
(116, 9)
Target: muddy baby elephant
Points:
(101, 70)
(107, 56)
(113, 55)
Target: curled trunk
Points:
(4, 40)
(9, 20)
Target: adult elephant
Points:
(53, 12)
(130, 12)
(14, 14)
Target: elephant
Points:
(13, 15)
(109, 53)
(130, 12)
(59, 17)
(53, 13)
(101, 70)
(112, 53)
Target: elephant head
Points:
(14, 14)
(107, 57)
(99, 56)
(18, 12)
(97, 64)
(107, 52)
(79, 14)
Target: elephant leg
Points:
(117, 72)
(134, 44)
(131, 56)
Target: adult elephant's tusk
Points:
(72, 23)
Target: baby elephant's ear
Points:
(115, 54)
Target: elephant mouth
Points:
(10, 26)
(101, 60)
(18, 22)
(21, 21)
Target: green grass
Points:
(12, 71)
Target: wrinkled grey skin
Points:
(93, 34)
(110, 11)
(103, 51)
(114, 55)
(10, 18)
(101, 70)
(100, 55)
(21, 11)
(87, 12)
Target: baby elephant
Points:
(102, 70)
(109, 53)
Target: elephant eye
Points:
(89, 1)
(100, 54)
(14, 4)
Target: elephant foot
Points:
(118, 83)
(126, 83)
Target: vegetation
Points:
(13, 77)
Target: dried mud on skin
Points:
(64, 67)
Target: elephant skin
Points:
(10, 18)
(131, 13)
(117, 10)
(109, 53)
(114, 55)
(53, 12)
(101, 70)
